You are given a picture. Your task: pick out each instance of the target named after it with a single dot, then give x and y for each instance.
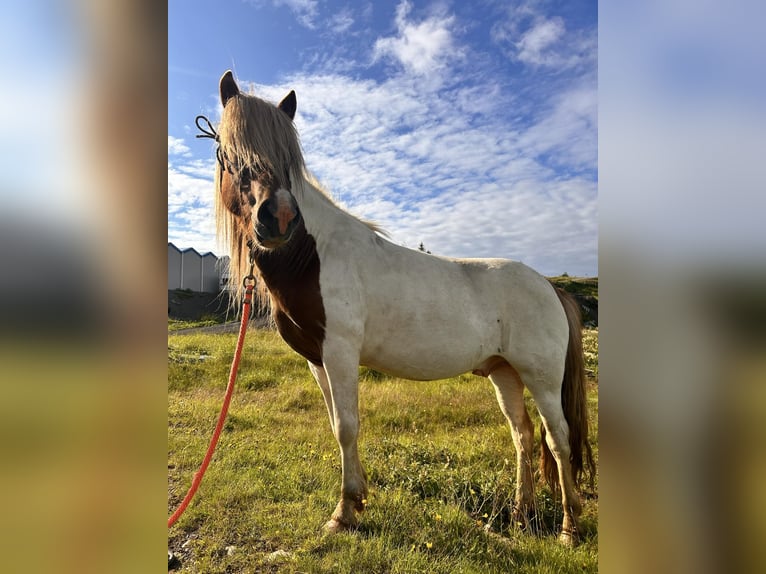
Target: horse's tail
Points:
(573, 402)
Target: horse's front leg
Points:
(341, 364)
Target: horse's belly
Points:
(418, 372)
(424, 362)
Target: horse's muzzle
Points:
(275, 229)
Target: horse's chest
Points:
(291, 276)
(304, 337)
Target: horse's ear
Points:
(289, 104)
(228, 87)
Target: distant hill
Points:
(585, 291)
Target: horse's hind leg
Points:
(510, 396)
(557, 438)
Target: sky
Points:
(470, 127)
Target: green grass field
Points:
(439, 457)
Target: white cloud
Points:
(568, 130)
(186, 190)
(341, 21)
(305, 10)
(176, 146)
(421, 47)
(530, 37)
(191, 220)
(466, 184)
(469, 167)
(537, 39)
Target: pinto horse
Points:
(342, 295)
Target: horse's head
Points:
(258, 158)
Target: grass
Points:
(204, 321)
(439, 457)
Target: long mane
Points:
(260, 136)
(256, 134)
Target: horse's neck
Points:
(313, 199)
(323, 217)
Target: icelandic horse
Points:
(342, 295)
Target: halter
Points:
(221, 156)
(210, 133)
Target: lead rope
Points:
(248, 283)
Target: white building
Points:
(223, 272)
(189, 269)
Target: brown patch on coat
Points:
(489, 366)
(291, 275)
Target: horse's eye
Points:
(244, 177)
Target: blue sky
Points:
(468, 126)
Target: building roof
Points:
(186, 249)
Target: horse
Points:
(343, 295)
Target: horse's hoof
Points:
(335, 526)
(568, 538)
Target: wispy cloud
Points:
(538, 39)
(530, 37)
(341, 21)
(463, 163)
(176, 146)
(429, 167)
(567, 131)
(190, 199)
(305, 11)
(420, 47)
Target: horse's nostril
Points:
(275, 215)
(265, 216)
(284, 216)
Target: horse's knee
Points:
(346, 430)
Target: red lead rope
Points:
(227, 399)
